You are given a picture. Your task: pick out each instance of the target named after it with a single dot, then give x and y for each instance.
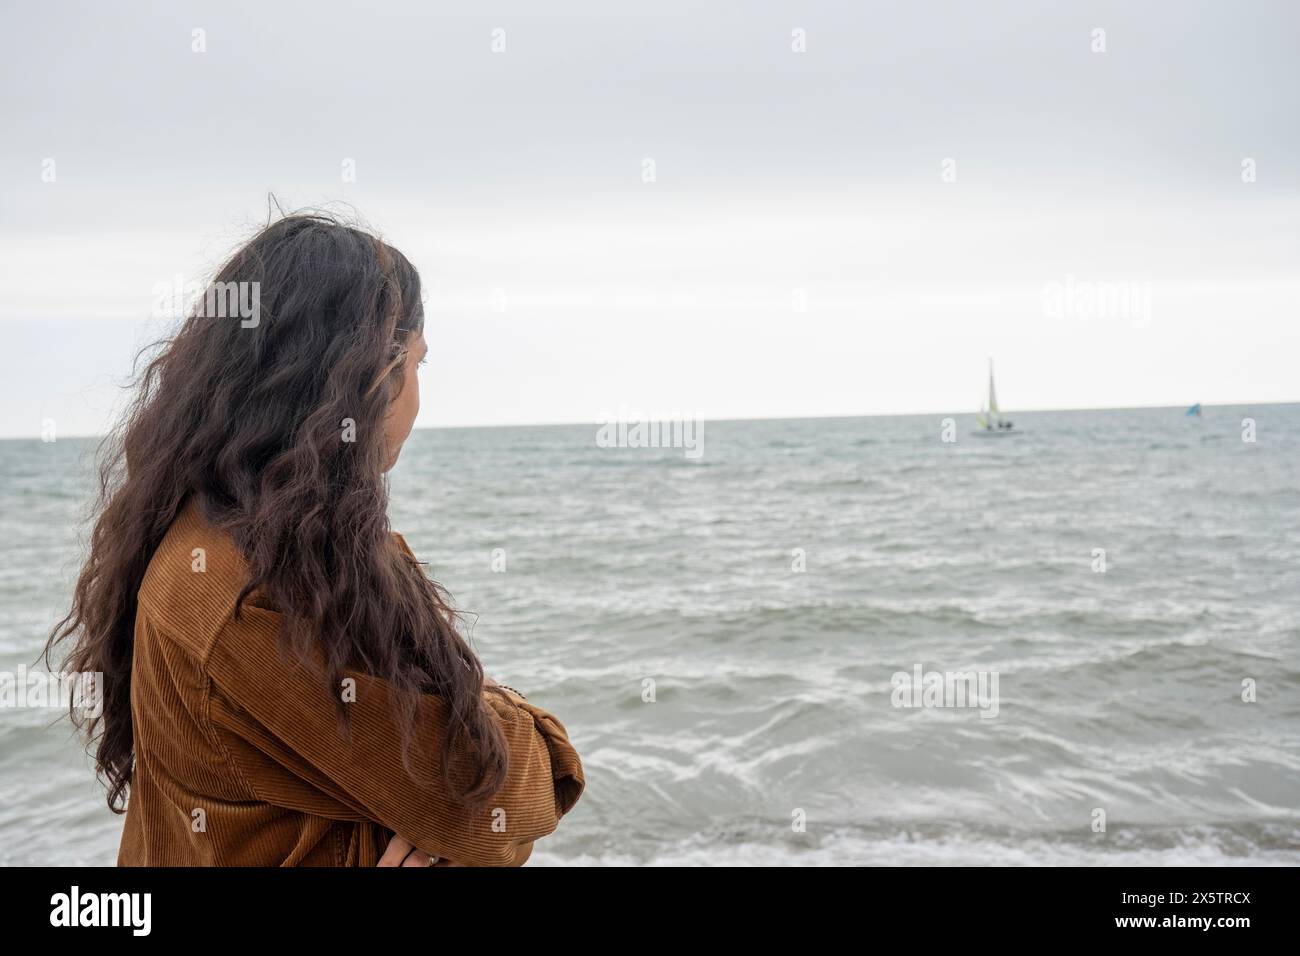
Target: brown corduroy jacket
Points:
(239, 759)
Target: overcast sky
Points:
(852, 229)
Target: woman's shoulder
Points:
(193, 580)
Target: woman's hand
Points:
(401, 852)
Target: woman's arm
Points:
(281, 725)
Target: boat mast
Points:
(993, 396)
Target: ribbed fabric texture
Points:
(239, 760)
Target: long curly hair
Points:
(245, 417)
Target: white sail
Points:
(990, 418)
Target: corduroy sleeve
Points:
(286, 745)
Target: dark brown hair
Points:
(248, 419)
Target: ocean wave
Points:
(941, 843)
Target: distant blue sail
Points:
(1195, 410)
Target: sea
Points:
(759, 643)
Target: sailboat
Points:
(990, 418)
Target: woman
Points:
(282, 685)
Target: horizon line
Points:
(815, 418)
(781, 418)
